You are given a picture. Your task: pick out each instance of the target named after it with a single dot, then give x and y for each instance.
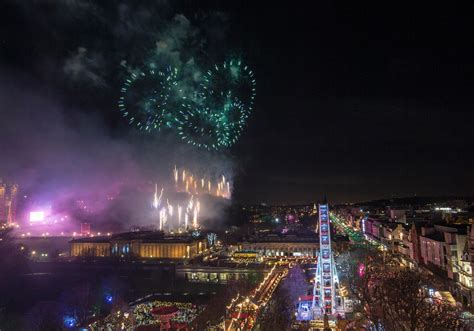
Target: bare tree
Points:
(44, 316)
(406, 304)
(277, 315)
(361, 274)
(279, 312)
(216, 307)
(80, 301)
(295, 284)
(396, 298)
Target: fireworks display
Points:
(187, 182)
(185, 214)
(180, 221)
(147, 97)
(210, 113)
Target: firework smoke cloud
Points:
(64, 140)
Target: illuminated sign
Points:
(36, 216)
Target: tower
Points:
(12, 203)
(3, 202)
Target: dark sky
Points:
(354, 101)
(360, 101)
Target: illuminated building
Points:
(90, 246)
(397, 215)
(463, 269)
(142, 244)
(8, 202)
(289, 245)
(11, 217)
(210, 274)
(85, 228)
(3, 209)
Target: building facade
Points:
(221, 275)
(420, 237)
(282, 246)
(433, 250)
(463, 269)
(142, 244)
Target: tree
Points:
(216, 307)
(406, 304)
(278, 312)
(14, 262)
(44, 316)
(360, 269)
(396, 298)
(295, 284)
(80, 300)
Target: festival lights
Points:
(258, 298)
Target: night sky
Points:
(354, 101)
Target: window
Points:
(125, 249)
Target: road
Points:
(243, 310)
(355, 236)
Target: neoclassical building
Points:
(142, 244)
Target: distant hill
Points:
(413, 201)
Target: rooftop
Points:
(142, 236)
(102, 239)
(437, 236)
(282, 238)
(456, 228)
